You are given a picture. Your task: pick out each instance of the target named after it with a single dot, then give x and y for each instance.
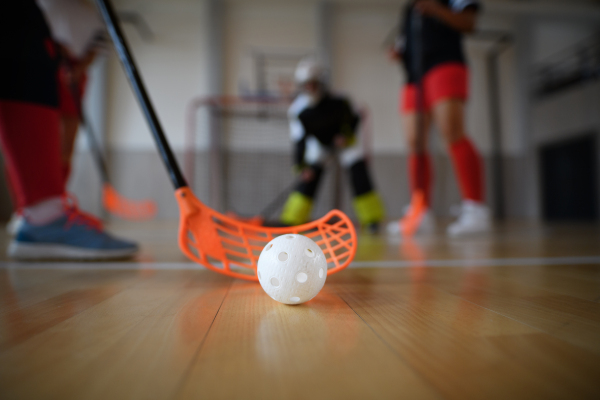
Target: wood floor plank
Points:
(32, 286)
(590, 273)
(457, 331)
(27, 311)
(135, 345)
(569, 318)
(260, 349)
(546, 278)
(469, 352)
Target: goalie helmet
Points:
(310, 69)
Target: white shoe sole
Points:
(28, 251)
(427, 226)
(13, 225)
(459, 231)
(393, 228)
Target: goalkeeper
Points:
(320, 122)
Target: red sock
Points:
(469, 169)
(419, 174)
(30, 139)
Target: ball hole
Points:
(290, 236)
(295, 299)
(301, 277)
(269, 247)
(321, 273)
(283, 256)
(309, 253)
(275, 282)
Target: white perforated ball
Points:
(292, 269)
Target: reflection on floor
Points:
(513, 314)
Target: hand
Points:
(307, 175)
(428, 7)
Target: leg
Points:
(416, 128)
(475, 216)
(69, 109)
(447, 88)
(70, 126)
(34, 170)
(367, 203)
(298, 206)
(419, 161)
(30, 138)
(449, 116)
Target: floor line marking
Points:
(453, 262)
(484, 262)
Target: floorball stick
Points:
(218, 242)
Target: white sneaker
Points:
(14, 224)
(426, 225)
(474, 218)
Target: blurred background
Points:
(534, 109)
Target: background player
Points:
(319, 123)
(444, 90)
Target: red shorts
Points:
(446, 81)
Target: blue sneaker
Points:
(76, 235)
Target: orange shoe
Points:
(417, 218)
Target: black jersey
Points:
(28, 66)
(440, 42)
(331, 116)
(328, 118)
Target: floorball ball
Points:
(292, 269)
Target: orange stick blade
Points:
(232, 247)
(126, 208)
(256, 220)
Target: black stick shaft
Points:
(139, 89)
(95, 148)
(94, 145)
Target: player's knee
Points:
(416, 144)
(309, 186)
(453, 135)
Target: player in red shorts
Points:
(52, 226)
(78, 33)
(430, 49)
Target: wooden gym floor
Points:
(510, 315)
